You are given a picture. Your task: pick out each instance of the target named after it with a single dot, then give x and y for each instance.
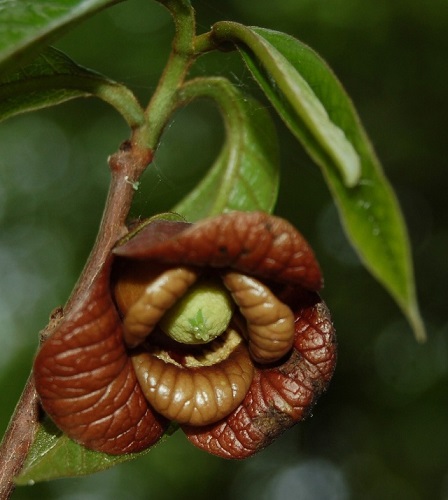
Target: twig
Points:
(16, 441)
(126, 167)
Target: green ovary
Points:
(201, 315)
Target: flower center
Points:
(201, 315)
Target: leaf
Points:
(369, 211)
(295, 92)
(52, 78)
(28, 25)
(54, 455)
(245, 175)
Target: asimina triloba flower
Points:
(112, 379)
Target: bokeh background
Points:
(381, 432)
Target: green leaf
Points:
(295, 92)
(245, 175)
(26, 26)
(53, 78)
(53, 455)
(369, 211)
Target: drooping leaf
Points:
(52, 78)
(294, 90)
(54, 455)
(245, 175)
(369, 210)
(26, 26)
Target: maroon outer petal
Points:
(86, 381)
(254, 243)
(281, 396)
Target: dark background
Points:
(381, 432)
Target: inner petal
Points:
(196, 389)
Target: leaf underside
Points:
(369, 210)
(26, 26)
(53, 78)
(245, 175)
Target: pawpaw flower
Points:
(216, 326)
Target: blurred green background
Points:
(381, 432)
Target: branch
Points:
(126, 167)
(18, 438)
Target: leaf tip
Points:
(417, 324)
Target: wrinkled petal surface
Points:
(86, 381)
(280, 396)
(254, 243)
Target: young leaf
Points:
(28, 25)
(53, 78)
(53, 455)
(369, 210)
(245, 174)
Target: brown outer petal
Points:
(281, 396)
(86, 381)
(254, 243)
